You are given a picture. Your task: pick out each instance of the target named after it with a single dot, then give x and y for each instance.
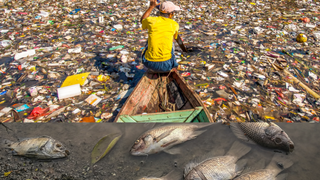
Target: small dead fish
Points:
(173, 175)
(164, 137)
(265, 134)
(219, 167)
(43, 147)
(277, 164)
(56, 113)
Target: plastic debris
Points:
(85, 59)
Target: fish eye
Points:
(58, 145)
(278, 141)
(137, 141)
(280, 165)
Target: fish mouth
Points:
(291, 147)
(136, 153)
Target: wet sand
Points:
(120, 165)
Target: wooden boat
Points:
(164, 97)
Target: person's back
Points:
(159, 51)
(161, 31)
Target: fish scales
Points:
(271, 171)
(257, 133)
(262, 174)
(265, 134)
(217, 168)
(220, 167)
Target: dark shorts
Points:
(163, 66)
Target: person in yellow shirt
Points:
(158, 54)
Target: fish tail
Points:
(189, 167)
(173, 175)
(238, 150)
(279, 163)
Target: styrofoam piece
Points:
(93, 100)
(69, 91)
(25, 54)
(75, 50)
(44, 14)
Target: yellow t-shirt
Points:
(161, 32)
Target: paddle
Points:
(179, 41)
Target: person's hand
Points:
(154, 3)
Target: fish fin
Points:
(173, 151)
(238, 150)
(204, 125)
(45, 136)
(282, 176)
(149, 125)
(237, 131)
(210, 154)
(216, 152)
(163, 135)
(189, 167)
(261, 164)
(279, 163)
(240, 166)
(173, 175)
(195, 134)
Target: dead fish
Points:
(173, 175)
(219, 167)
(55, 113)
(43, 147)
(163, 138)
(277, 164)
(265, 134)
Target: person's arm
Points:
(175, 36)
(153, 4)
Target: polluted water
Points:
(119, 164)
(78, 61)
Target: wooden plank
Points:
(119, 120)
(203, 117)
(196, 120)
(127, 118)
(186, 91)
(165, 115)
(193, 98)
(194, 114)
(176, 120)
(145, 97)
(132, 100)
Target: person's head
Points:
(167, 9)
